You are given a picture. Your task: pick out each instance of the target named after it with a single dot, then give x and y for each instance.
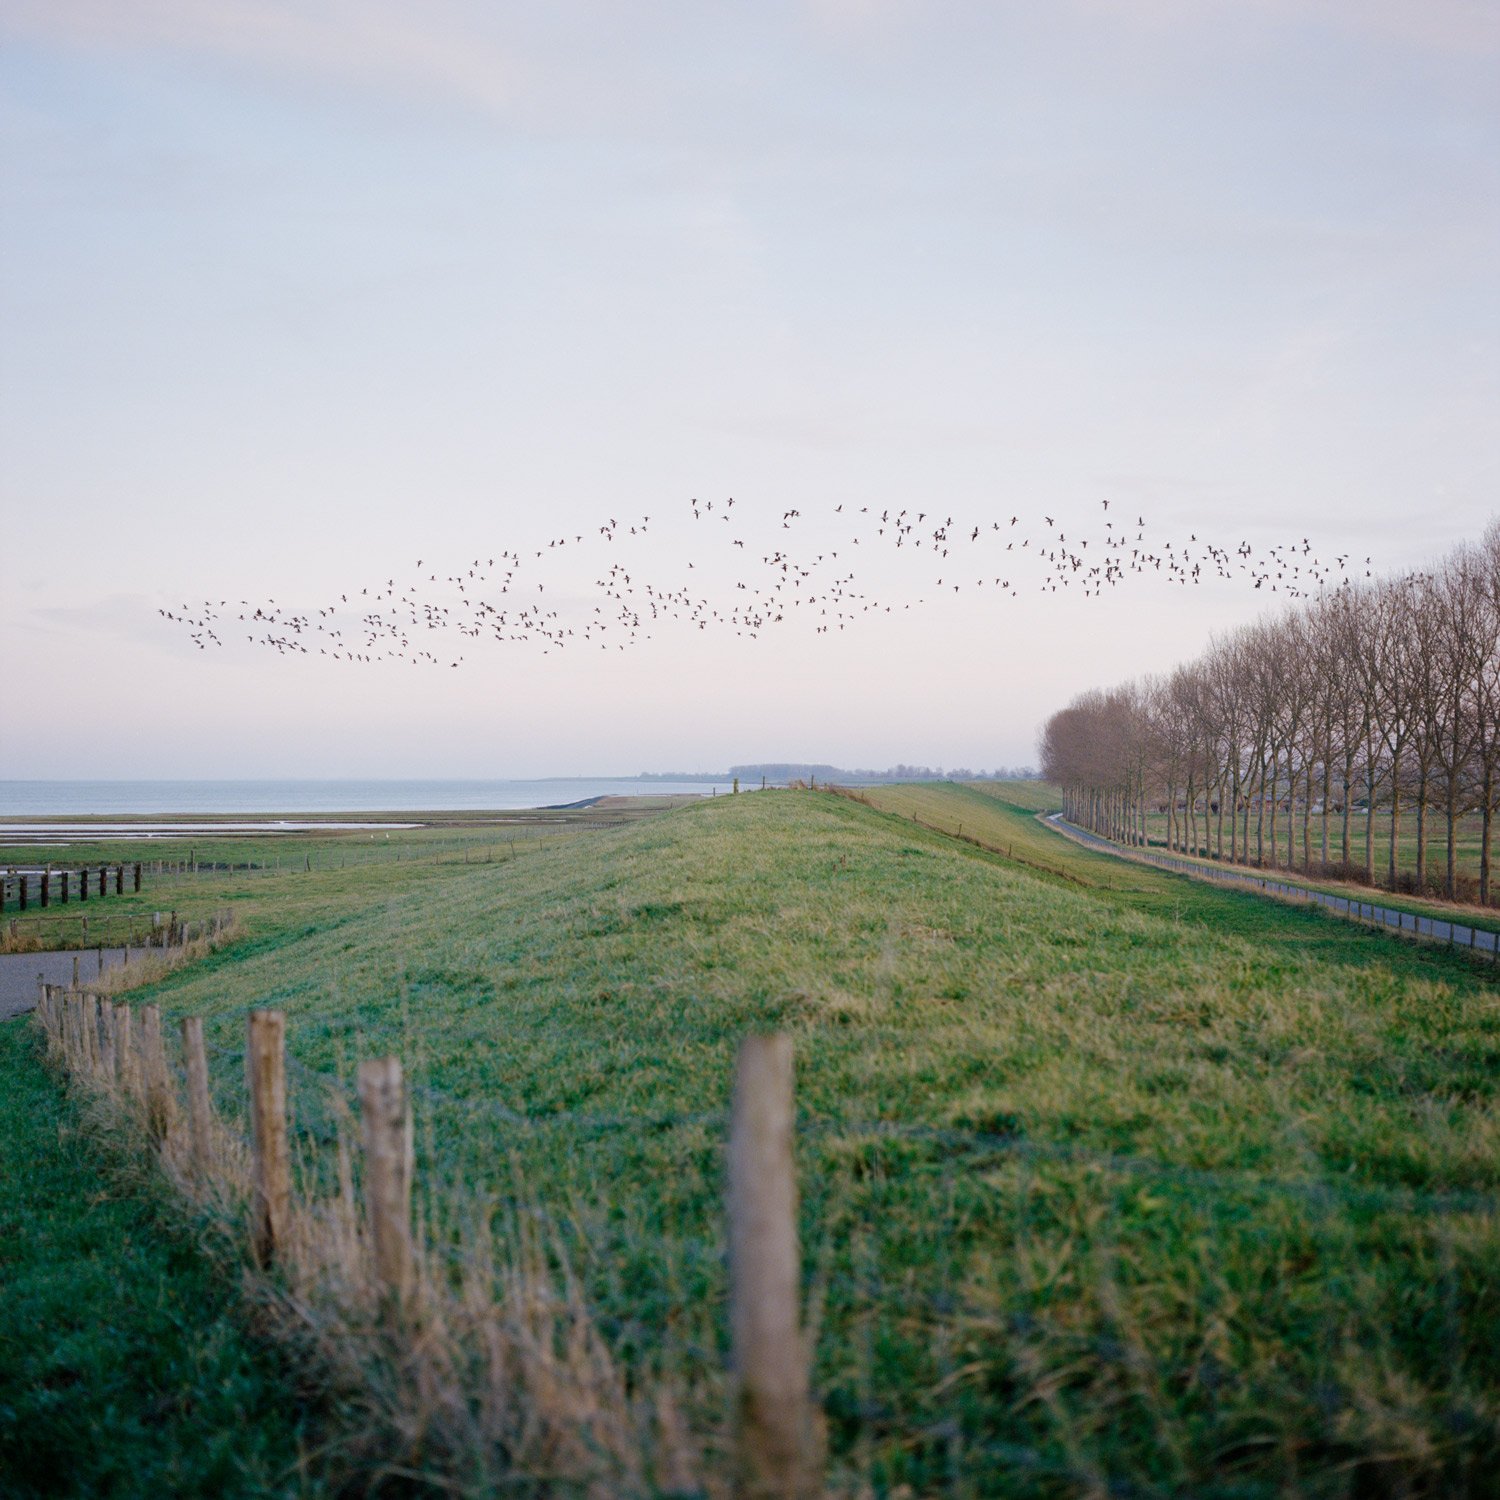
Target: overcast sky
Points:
(294, 292)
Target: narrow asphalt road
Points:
(19, 971)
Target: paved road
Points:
(18, 974)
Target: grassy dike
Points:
(1112, 1182)
(125, 1365)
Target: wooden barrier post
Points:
(773, 1410)
(93, 1047)
(124, 1052)
(160, 1101)
(83, 885)
(69, 1031)
(137, 877)
(102, 891)
(62, 876)
(81, 1059)
(385, 1125)
(200, 1109)
(119, 880)
(46, 888)
(108, 1066)
(265, 1076)
(75, 971)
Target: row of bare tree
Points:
(1377, 698)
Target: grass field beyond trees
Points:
(1113, 1183)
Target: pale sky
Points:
(295, 292)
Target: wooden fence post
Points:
(124, 1051)
(107, 1064)
(200, 1110)
(773, 1410)
(385, 1125)
(69, 1031)
(137, 877)
(94, 1048)
(265, 1077)
(84, 1062)
(160, 1100)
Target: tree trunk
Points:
(1450, 884)
(1307, 801)
(1484, 841)
(1260, 821)
(1395, 822)
(1327, 799)
(1275, 804)
(1422, 829)
(1344, 832)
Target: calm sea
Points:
(113, 798)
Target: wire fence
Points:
(955, 1275)
(1393, 919)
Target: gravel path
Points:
(18, 974)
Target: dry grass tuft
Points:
(490, 1374)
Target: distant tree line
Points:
(799, 771)
(786, 771)
(1279, 744)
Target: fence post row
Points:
(778, 1440)
(1385, 917)
(773, 1408)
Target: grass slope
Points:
(1111, 1181)
(123, 1368)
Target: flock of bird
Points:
(759, 572)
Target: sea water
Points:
(50, 799)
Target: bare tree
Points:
(1389, 692)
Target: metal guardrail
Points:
(1454, 934)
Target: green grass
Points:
(124, 1367)
(1111, 1180)
(273, 872)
